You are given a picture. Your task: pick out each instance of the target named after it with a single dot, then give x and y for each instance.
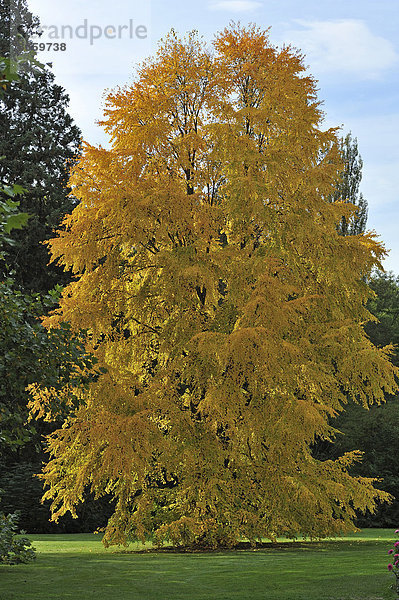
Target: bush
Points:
(14, 549)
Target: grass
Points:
(78, 567)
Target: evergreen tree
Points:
(40, 143)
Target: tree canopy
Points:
(41, 143)
(347, 188)
(222, 303)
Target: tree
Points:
(347, 188)
(223, 305)
(385, 307)
(375, 431)
(13, 549)
(41, 144)
(17, 26)
(28, 353)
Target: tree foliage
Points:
(223, 305)
(14, 548)
(41, 143)
(385, 307)
(28, 352)
(21, 493)
(376, 431)
(347, 188)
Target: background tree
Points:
(13, 549)
(347, 188)
(17, 26)
(375, 431)
(221, 301)
(385, 307)
(29, 352)
(41, 142)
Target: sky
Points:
(351, 47)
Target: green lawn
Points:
(77, 567)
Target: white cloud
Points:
(235, 5)
(346, 46)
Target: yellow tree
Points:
(225, 309)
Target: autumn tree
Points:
(221, 301)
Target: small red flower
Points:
(396, 544)
(390, 567)
(391, 551)
(396, 530)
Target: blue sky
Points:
(350, 46)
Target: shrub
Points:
(14, 549)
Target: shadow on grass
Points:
(308, 545)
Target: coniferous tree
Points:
(38, 144)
